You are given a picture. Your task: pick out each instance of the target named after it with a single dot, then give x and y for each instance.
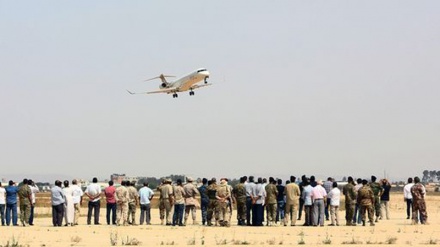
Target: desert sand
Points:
(398, 231)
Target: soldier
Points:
(204, 200)
(350, 201)
(133, 201)
(165, 201)
(25, 196)
(191, 202)
(377, 191)
(271, 201)
(418, 193)
(292, 193)
(366, 201)
(223, 194)
(239, 193)
(212, 207)
(121, 197)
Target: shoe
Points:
(331, 224)
(407, 217)
(372, 224)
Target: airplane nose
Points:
(205, 73)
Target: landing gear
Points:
(206, 79)
(191, 93)
(175, 95)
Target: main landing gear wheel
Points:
(175, 95)
(191, 93)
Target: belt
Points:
(319, 199)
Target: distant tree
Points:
(432, 175)
(438, 175)
(344, 179)
(425, 176)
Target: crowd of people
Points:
(283, 204)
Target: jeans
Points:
(327, 209)
(2, 213)
(111, 210)
(57, 215)
(145, 214)
(11, 208)
(95, 206)
(318, 212)
(204, 209)
(31, 217)
(357, 214)
(301, 206)
(178, 214)
(248, 210)
(280, 211)
(409, 203)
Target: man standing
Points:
(93, 191)
(334, 195)
(408, 197)
(213, 204)
(377, 191)
(249, 200)
(239, 193)
(121, 197)
(34, 191)
(204, 200)
(271, 201)
(2, 204)
(25, 196)
(77, 195)
(301, 201)
(11, 203)
(350, 201)
(292, 193)
(111, 203)
(366, 201)
(281, 203)
(133, 201)
(179, 203)
(328, 187)
(308, 204)
(58, 199)
(319, 197)
(418, 193)
(145, 196)
(191, 202)
(166, 201)
(223, 194)
(357, 211)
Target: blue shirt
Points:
(11, 194)
(58, 196)
(307, 195)
(145, 193)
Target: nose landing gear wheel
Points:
(191, 93)
(175, 95)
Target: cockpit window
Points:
(201, 70)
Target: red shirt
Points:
(110, 194)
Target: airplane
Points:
(187, 82)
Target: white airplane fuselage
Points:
(187, 81)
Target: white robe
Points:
(69, 209)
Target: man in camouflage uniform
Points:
(121, 196)
(350, 201)
(239, 193)
(366, 201)
(418, 193)
(223, 195)
(377, 191)
(133, 201)
(165, 201)
(25, 196)
(213, 204)
(271, 201)
(204, 200)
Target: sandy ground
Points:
(397, 231)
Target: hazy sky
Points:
(331, 88)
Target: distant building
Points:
(118, 178)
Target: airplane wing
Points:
(201, 85)
(165, 90)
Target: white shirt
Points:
(335, 196)
(93, 190)
(407, 191)
(2, 195)
(76, 193)
(34, 189)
